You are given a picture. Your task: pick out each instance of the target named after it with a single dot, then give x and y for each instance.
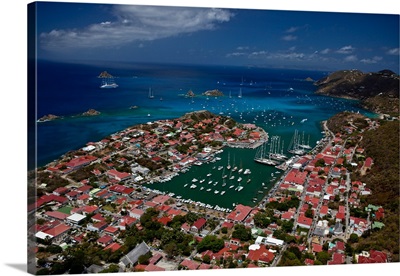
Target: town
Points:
(92, 213)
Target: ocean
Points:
(280, 101)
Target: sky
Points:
(224, 36)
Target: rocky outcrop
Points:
(213, 93)
(49, 117)
(91, 112)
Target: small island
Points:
(214, 93)
(190, 93)
(91, 112)
(49, 117)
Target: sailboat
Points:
(294, 146)
(240, 93)
(276, 147)
(263, 157)
(229, 164)
(151, 94)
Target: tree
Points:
(261, 220)
(241, 232)
(323, 257)
(353, 238)
(206, 259)
(210, 243)
(224, 230)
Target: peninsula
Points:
(378, 92)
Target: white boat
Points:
(185, 185)
(223, 192)
(202, 188)
(201, 181)
(247, 171)
(209, 174)
(232, 177)
(151, 94)
(230, 187)
(220, 168)
(208, 190)
(239, 179)
(193, 186)
(209, 182)
(240, 188)
(194, 180)
(240, 171)
(109, 85)
(216, 192)
(225, 176)
(249, 180)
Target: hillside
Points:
(378, 92)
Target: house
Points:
(105, 240)
(136, 213)
(76, 218)
(56, 233)
(189, 264)
(259, 253)
(132, 257)
(371, 257)
(337, 258)
(198, 225)
(240, 213)
(120, 176)
(304, 222)
(113, 247)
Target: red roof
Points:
(57, 215)
(199, 224)
(80, 161)
(261, 254)
(316, 247)
(111, 229)
(152, 267)
(191, 265)
(304, 220)
(164, 220)
(161, 199)
(57, 230)
(239, 213)
(337, 258)
(105, 239)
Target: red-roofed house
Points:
(262, 255)
(152, 267)
(240, 213)
(81, 161)
(111, 230)
(113, 247)
(337, 258)
(120, 176)
(316, 247)
(58, 232)
(136, 213)
(105, 240)
(304, 222)
(371, 257)
(198, 225)
(189, 264)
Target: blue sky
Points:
(276, 39)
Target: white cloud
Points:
(241, 48)
(289, 37)
(325, 51)
(371, 60)
(346, 50)
(351, 58)
(394, 51)
(136, 24)
(292, 29)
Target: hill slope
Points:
(378, 92)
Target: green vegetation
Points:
(210, 243)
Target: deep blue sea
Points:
(278, 100)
